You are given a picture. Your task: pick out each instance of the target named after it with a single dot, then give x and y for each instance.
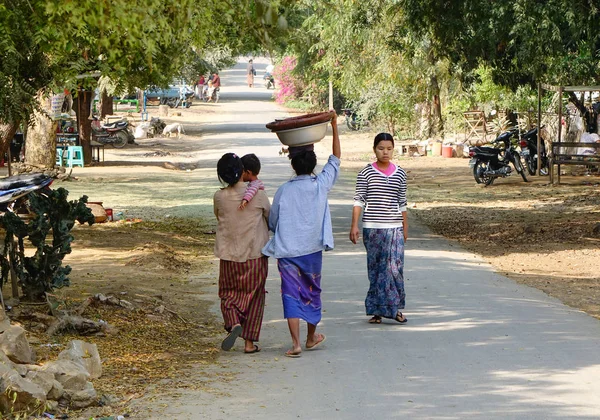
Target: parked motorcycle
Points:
(353, 121)
(269, 80)
(14, 187)
(489, 163)
(529, 153)
(116, 133)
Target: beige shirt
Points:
(241, 234)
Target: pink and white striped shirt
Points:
(252, 189)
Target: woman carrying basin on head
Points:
(301, 222)
(381, 193)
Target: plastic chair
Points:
(59, 156)
(74, 156)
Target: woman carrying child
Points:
(301, 222)
(381, 192)
(242, 267)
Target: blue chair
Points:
(74, 156)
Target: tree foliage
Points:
(136, 43)
(401, 61)
(24, 68)
(522, 41)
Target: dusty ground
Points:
(540, 235)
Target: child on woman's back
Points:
(250, 175)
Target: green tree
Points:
(24, 68)
(522, 41)
(134, 43)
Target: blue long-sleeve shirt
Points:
(300, 217)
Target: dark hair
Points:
(229, 169)
(251, 163)
(383, 137)
(304, 162)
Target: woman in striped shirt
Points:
(381, 198)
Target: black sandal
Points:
(399, 319)
(375, 320)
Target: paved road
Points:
(477, 345)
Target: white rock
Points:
(13, 342)
(56, 392)
(83, 398)
(72, 376)
(44, 380)
(28, 395)
(85, 354)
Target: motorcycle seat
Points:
(530, 135)
(116, 125)
(488, 151)
(19, 181)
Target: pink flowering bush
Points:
(289, 86)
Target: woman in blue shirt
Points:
(301, 222)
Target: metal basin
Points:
(304, 135)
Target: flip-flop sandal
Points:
(318, 343)
(399, 319)
(229, 341)
(291, 354)
(255, 350)
(375, 320)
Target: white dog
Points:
(173, 128)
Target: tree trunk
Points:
(83, 110)
(436, 127)
(106, 105)
(7, 132)
(40, 148)
(424, 120)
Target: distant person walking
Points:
(301, 222)
(381, 193)
(200, 87)
(251, 72)
(242, 267)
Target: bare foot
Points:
(315, 340)
(293, 353)
(400, 318)
(253, 349)
(250, 347)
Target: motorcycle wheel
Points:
(352, 124)
(519, 168)
(479, 173)
(121, 139)
(544, 170)
(531, 165)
